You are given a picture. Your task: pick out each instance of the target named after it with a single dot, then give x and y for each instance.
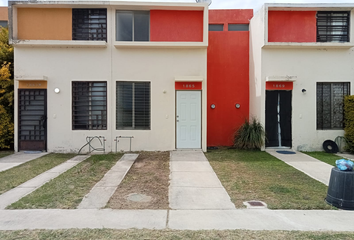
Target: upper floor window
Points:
(330, 102)
(216, 27)
(333, 26)
(89, 24)
(133, 25)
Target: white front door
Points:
(188, 119)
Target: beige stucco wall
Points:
(44, 23)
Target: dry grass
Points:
(149, 175)
(15, 176)
(4, 153)
(68, 189)
(144, 234)
(256, 175)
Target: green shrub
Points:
(250, 135)
(349, 122)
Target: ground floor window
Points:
(330, 101)
(89, 105)
(133, 105)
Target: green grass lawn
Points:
(329, 158)
(256, 175)
(144, 234)
(4, 153)
(15, 176)
(68, 189)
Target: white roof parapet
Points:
(309, 6)
(286, 78)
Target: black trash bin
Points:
(341, 189)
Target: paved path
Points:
(194, 184)
(26, 188)
(100, 194)
(255, 219)
(16, 159)
(312, 167)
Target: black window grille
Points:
(133, 105)
(333, 26)
(89, 105)
(89, 24)
(330, 104)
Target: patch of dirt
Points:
(149, 175)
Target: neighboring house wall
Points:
(302, 64)
(228, 75)
(160, 63)
(3, 16)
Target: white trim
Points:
(286, 78)
(189, 79)
(31, 78)
(149, 44)
(308, 45)
(59, 43)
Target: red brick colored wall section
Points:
(228, 77)
(176, 26)
(292, 26)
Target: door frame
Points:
(201, 116)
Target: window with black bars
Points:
(333, 26)
(89, 24)
(133, 105)
(89, 105)
(330, 104)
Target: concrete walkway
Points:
(255, 219)
(312, 167)
(26, 188)
(100, 194)
(19, 158)
(194, 184)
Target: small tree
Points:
(250, 135)
(349, 122)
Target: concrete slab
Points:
(194, 184)
(199, 198)
(18, 159)
(65, 219)
(194, 179)
(261, 219)
(105, 188)
(312, 167)
(346, 155)
(26, 188)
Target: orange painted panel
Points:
(292, 26)
(4, 14)
(228, 77)
(176, 26)
(279, 86)
(44, 23)
(188, 85)
(32, 84)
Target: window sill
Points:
(59, 43)
(308, 45)
(125, 44)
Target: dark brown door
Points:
(32, 119)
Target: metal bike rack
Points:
(89, 140)
(130, 141)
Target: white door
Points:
(188, 119)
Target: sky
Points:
(238, 4)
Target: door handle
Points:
(44, 121)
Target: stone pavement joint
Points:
(100, 194)
(194, 184)
(26, 188)
(18, 158)
(312, 167)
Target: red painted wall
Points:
(292, 26)
(228, 77)
(177, 26)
